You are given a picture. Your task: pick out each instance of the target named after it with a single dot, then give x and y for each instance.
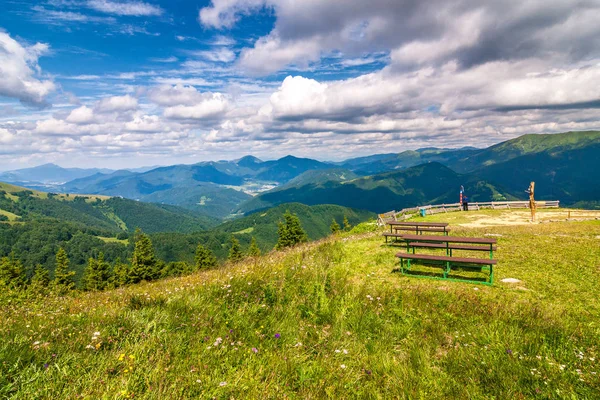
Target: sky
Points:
(128, 83)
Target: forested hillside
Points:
(427, 183)
(34, 225)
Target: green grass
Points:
(348, 327)
(243, 231)
(113, 240)
(11, 217)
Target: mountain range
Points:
(565, 167)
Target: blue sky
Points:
(120, 83)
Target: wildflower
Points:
(131, 357)
(509, 352)
(298, 344)
(36, 343)
(345, 351)
(562, 367)
(121, 357)
(277, 336)
(592, 359)
(89, 346)
(368, 371)
(217, 342)
(222, 383)
(198, 381)
(337, 351)
(96, 333)
(343, 366)
(46, 366)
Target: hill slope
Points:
(327, 320)
(526, 145)
(109, 214)
(427, 183)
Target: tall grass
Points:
(324, 320)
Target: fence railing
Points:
(473, 206)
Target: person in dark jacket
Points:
(465, 203)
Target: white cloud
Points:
(129, 8)
(269, 54)
(117, 104)
(81, 115)
(212, 106)
(175, 95)
(19, 70)
(224, 14)
(221, 55)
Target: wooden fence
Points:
(473, 206)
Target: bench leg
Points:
(491, 274)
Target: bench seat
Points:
(420, 229)
(451, 246)
(447, 262)
(458, 260)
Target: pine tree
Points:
(120, 273)
(347, 225)
(235, 252)
(205, 259)
(89, 275)
(143, 264)
(11, 272)
(63, 277)
(335, 227)
(97, 274)
(290, 232)
(40, 280)
(253, 250)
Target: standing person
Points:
(465, 203)
(531, 191)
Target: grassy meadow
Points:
(328, 319)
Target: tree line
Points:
(144, 265)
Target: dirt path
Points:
(523, 217)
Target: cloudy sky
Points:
(126, 83)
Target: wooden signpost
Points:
(532, 200)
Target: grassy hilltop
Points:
(327, 320)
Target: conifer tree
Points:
(290, 231)
(11, 272)
(97, 274)
(120, 273)
(335, 227)
(253, 250)
(63, 277)
(235, 252)
(347, 225)
(205, 258)
(143, 264)
(40, 280)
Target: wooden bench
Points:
(448, 261)
(417, 227)
(450, 247)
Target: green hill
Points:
(325, 320)
(101, 212)
(424, 184)
(315, 220)
(526, 145)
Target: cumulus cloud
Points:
(19, 71)
(175, 95)
(81, 115)
(212, 105)
(117, 104)
(467, 31)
